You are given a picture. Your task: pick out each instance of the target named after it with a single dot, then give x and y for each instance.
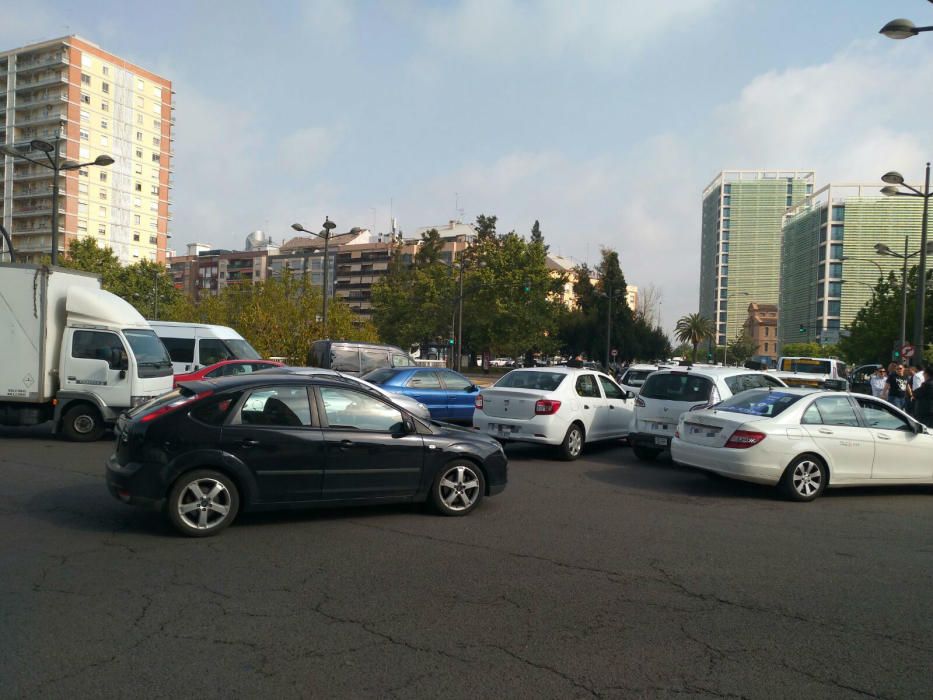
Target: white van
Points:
(195, 345)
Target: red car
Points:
(226, 369)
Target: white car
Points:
(805, 440)
(635, 375)
(668, 393)
(563, 406)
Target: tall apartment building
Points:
(828, 262)
(91, 103)
(740, 255)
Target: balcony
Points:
(26, 66)
(40, 210)
(42, 99)
(56, 79)
(50, 118)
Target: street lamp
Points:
(882, 249)
(56, 164)
(461, 265)
(610, 295)
(326, 235)
(895, 180)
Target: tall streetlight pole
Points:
(326, 235)
(609, 294)
(895, 179)
(56, 164)
(882, 249)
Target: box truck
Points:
(73, 353)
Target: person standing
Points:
(877, 382)
(895, 388)
(923, 398)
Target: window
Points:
(881, 417)
(833, 308)
(402, 361)
(155, 157)
(140, 102)
(85, 98)
(180, 349)
(789, 201)
(139, 119)
(101, 229)
(345, 359)
(157, 124)
(214, 411)
(138, 169)
(837, 233)
(348, 409)
(85, 116)
(140, 85)
(103, 194)
(139, 136)
(85, 60)
(106, 70)
(105, 106)
(454, 382)
(136, 236)
(211, 351)
(830, 410)
(105, 87)
(835, 289)
(744, 382)
(82, 225)
(82, 208)
(154, 190)
(424, 379)
(283, 406)
(542, 381)
(99, 345)
(157, 91)
(586, 386)
(155, 141)
(104, 124)
(85, 136)
(839, 213)
(139, 153)
(103, 140)
(138, 187)
(102, 212)
(371, 358)
(766, 346)
(759, 403)
(153, 240)
(611, 389)
(677, 386)
(85, 79)
(103, 177)
(136, 219)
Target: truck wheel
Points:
(82, 423)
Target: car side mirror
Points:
(918, 428)
(122, 374)
(629, 394)
(472, 388)
(408, 426)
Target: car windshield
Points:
(147, 348)
(758, 402)
(806, 366)
(636, 377)
(241, 349)
(677, 386)
(744, 382)
(542, 381)
(378, 376)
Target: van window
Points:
(180, 349)
(371, 358)
(316, 354)
(344, 359)
(402, 361)
(99, 345)
(211, 351)
(677, 386)
(241, 349)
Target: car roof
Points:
(559, 369)
(643, 366)
(711, 371)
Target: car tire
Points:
(458, 488)
(645, 454)
(217, 507)
(804, 479)
(572, 445)
(83, 423)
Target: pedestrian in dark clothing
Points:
(923, 399)
(576, 361)
(895, 391)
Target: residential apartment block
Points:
(740, 257)
(72, 94)
(829, 265)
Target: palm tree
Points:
(694, 329)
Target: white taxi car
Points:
(668, 393)
(635, 375)
(805, 440)
(563, 406)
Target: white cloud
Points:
(493, 30)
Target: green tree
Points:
(537, 238)
(742, 347)
(694, 329)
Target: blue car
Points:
(447, 394)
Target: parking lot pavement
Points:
(604, 577)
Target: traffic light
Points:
(803, 328)
(896, 351)
(709, 357)
(527, 286)
(450, 341)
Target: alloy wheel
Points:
(204, 504)
(807, 478)
(459, 487)
(574, 442)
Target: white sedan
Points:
(804, 441)
(563, 406)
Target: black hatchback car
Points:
(210, 449)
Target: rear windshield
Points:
(379, 376)
(806, 366)
(759, 403)
(679, 386)
(542, 381)
(744, 382)
(636, 377)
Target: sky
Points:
(604, 120)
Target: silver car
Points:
(416, 408)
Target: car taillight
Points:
(180, 402)
(640, 402)
(743, 439)
(546, 407)
(478, 402)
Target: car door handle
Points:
(585, 406)
(249, 443)
(611, 407)
(344, 444)
(882, 437)
(825, 431)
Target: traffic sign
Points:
(907, 350)
(614, 353)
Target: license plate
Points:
(504, 428)
(660, 441)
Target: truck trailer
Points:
(73, 353)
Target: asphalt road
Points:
(600, 578)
